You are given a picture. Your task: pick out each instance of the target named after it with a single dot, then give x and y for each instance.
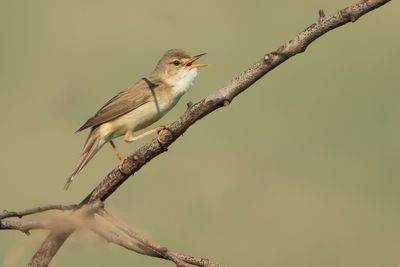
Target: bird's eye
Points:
(176, 62)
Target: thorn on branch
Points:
(226, 102)
(321, 14)
(189, 104)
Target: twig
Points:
(83, 218)
(179, 259)
(197, 111)
(59, 223)
(20, 214)
(131, 233)
(24, 227)
(120, 240)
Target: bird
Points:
(139, 106)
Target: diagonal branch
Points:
(219, 98)
(122, 241)
(179, 259)
(225, 95)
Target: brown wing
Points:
(124, 102)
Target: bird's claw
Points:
(162, 129)
(121, 163)
(160, 132)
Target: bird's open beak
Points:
(190, 64)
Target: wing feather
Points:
(124, 102)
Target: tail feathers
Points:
(93, 144)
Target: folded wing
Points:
(124, 102)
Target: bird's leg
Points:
(130, 138)
(120, 156)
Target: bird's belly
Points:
(137, 119)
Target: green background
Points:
(301, 170)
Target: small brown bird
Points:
(139, 106)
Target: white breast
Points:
(183, 81)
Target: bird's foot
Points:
(121, 163)
(161, 130)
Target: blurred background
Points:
(301, 170)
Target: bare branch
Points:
(60, 223)
(20, 214)
(209, 104)
(179, 259)
(83, 218)
(24, 227)
(122, 241)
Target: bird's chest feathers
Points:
(182, 82)
(179, 85)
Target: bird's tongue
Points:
(190, 64)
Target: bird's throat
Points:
(183, 81)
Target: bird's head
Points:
(176, 65)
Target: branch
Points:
(20, 214)
(219, 98)
(83, 218)
(179, 259)
(24, 227)
(59, 223)
(122, 241)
